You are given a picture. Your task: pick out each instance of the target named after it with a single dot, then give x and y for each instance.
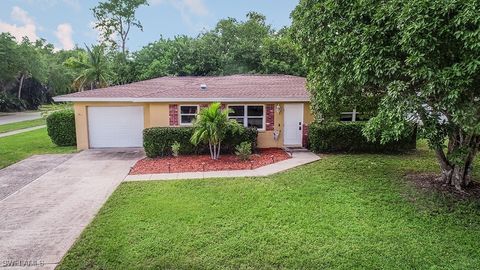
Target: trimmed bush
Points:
(348, 137)
(61, 128)
(157, 141)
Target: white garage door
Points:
(115, 126)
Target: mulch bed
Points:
(199, 163)
(429, 182)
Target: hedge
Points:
(157, 141)
(61, 128)
(348, 137)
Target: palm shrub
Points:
(243, 150)
(92, 67)
(211, 126)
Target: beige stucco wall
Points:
(157, 115)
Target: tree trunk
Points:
(218, 154)
(211, 151)
(20, 86)
(457, 171)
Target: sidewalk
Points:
(18, 131)
(298, 159)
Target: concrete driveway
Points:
(41, 218)
(7, 118)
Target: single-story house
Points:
(277, 105)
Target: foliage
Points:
(176, 149)
(115, 18)
(343, 212)
(10, 103)
(211, 125)
(243, 150)
(20, 146)
(46, 110)
(9, 54)
(415, 59)
(348, 137)
(232, 47)
(61, 128)
(158, 141)
(280, 55)
(33, 71)
(92, 67)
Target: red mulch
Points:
(198, 163)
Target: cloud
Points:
(98, 33)
(50, 3)
(189, 9)
(64, 34)
(27, 28)
(194, 7)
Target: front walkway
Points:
(298, 158)
(42, 219)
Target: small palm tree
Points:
(211, 126)
(93, 69)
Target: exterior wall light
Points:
(278, 108)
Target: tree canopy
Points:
(115, 18)
(419, 60)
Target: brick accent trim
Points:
(270, 117)
(305, 135)
(203, 106)
(223, 106)
(173, 114)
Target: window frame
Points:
(354, 114)
(180, 113)
(245, 115)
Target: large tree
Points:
(419, 58)
(115, 18)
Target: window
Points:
(188, 114)
(248, 115)
(353, 116)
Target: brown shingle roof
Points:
(221, 88)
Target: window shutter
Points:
(270, 117)
(305, 135)
(173, 114)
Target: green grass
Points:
(343, 212)
(21, 125)
(20, 146)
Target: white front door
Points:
(115, 126)
(293, 124)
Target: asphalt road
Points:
(7, 118)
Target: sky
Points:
(67, 23)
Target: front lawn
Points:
(21, 125)
(20, 146)
(342, 212)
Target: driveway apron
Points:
(41, 221)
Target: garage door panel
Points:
(115, 126)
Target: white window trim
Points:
(353, 113)
(180, 113)
(245, 116)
